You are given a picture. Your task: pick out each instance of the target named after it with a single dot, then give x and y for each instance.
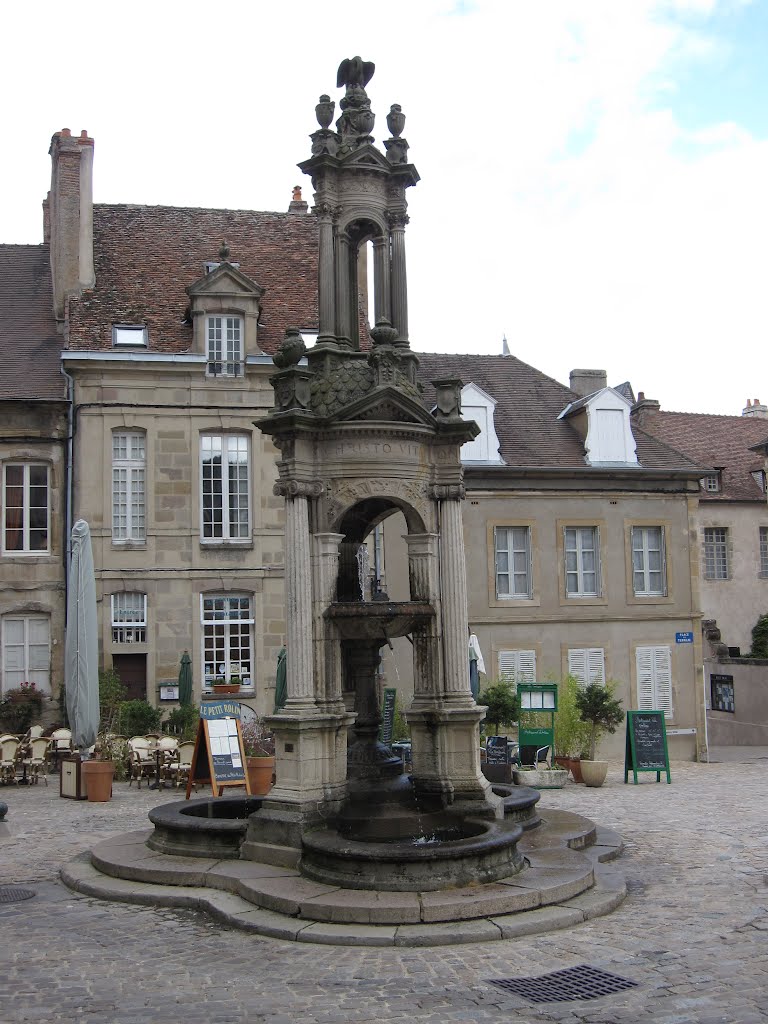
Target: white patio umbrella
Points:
(81, 652)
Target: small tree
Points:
(600, 711)
(760, 638)
(500, 698)
(111, 695)
(571, 732)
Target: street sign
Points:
(683, 638)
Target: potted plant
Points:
(259, 746)
(99, 772)
(500, 699)
(540, 776)
(222, 686)
(571, 733)
(602, 713)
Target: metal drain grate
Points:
(582, 982)
(13, 894)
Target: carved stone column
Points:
(381, 281)
(343, 292)
(454, 593)
(326, 275)
(327, 657)
(399, 280)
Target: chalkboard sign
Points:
(497, 750)
(646, 746)
(388, 715)
(219, 758)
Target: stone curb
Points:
(608, 892)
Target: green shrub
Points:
(138, 717)
(20, 707)
(182, 722)
(571, 733)
(500, 697)
(600, 711)
(760, 638)
(111, 695)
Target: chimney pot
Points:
(641, 396)
(65, 131)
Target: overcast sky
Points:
(594, 173)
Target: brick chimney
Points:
(645, 403)
(586, 382)
(755, 409)
(69, 216)
(297, 204)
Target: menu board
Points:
(646, 745)
(219, 758)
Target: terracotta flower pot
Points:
(260, 774)
(98, 777)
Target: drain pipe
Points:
(69, 473)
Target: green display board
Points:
(538, 703)
(646, 746)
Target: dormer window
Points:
(712, 483)
(224, 346)
(124, 335)
(210, 266)
(602, 419)
(477, 405)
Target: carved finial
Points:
(324, 111)
(291, 350)
(354, 72)
(224, 252)
(396, 120)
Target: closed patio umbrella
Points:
(81, 649)
(281, 682)
(185, 679)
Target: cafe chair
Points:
(180, 769)
(141, 760)
(37, 758)
(9, 754)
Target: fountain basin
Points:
(378, 620)
(202, 828)
(487, 852)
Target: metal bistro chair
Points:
(141, 760)
(166, 753)
(180, 769)
(9, 753)
(61, 745)
(37, 758)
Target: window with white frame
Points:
(715, 553)
(582, 561)
(711, 483)
(25, 508)
(764, 551)
(520, 666)
(128, 486)
(224, 346)
(648, 561)
(26, 651)
(227, 622)
(224, 479)
(587, 665)
(654, 679)
(129, 618)
(513, 562)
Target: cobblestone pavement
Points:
(693, 932)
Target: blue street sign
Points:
(683, 638)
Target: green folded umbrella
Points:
(281, 682)
(185, 679)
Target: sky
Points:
(594, 173)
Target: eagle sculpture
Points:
(353, 72)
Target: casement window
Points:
(587, 665)
(711, 483)
(648, 561)
(227, 623)
(582, 561)
(26, 651)
(654, 679)
(764, 551)
(128, 486)
(129, 335)
(224, 346)
(224, 479)
(513, 562)
(129, 618)
(25, 508)
(715, 553)
(520, 666)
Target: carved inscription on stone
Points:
(386, 449)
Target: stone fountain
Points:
(343, 826)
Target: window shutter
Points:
(577, 665)
(662, 665)
(596, 665)
(644, 662)
(518, 665)
(507, 663)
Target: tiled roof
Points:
(529, 402)
(715, 441)
(30, 347)
(145, 257)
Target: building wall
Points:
(747, 724)
(32, 584)
(174, 404)
(737, 602)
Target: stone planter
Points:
(594, 772)
(541, 778)
(260, 773)
(98, 776)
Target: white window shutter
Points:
(596, 665)
(577, 665)
(526, 671)
(507, 663)
(644, 663)
(662, 666)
